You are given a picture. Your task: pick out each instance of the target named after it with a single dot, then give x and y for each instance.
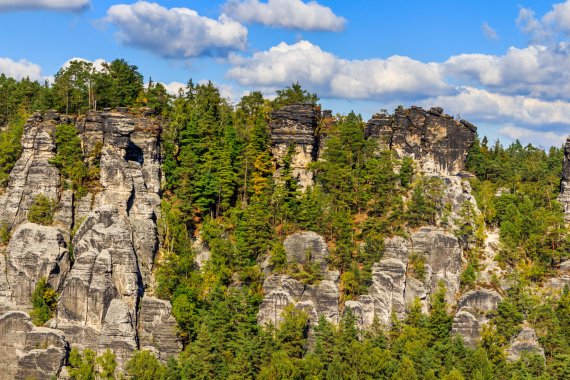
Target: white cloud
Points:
(20, 69)
(290, 14)
(61, 5)
(97, 64)
(173, 88)
(539, 138)
(333, 77)
(489, 32)
(537, 70)
(479, 104)
(175, 32)
(550, 25)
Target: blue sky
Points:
(503, 65)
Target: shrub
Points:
(42, 210)
(44, 301)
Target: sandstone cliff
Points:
(105, 299)
(439, 145)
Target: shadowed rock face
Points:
(438, 141)
(525, 341)
(29, 352)
(296, 125)
(115, 244)
(472, 308)
(564, 196)
(321, 298)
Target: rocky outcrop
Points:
(397, 281)
(317, 299)
(29, 352)
(295, 126)
(564, 196)
(157, 328)
(33, 174)
(34, 252)
(525, 342)
(472, 313)
(438, 141)
(104, 297)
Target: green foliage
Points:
(42, 210)
(10, 147)
(5, 233)
(69, 158)
(44, 302)
(82, 365)
(426, 202)
(107, 364)
(143, 365)
(417, 264)
(530, 220)
(294, 94)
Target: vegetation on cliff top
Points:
(219, 184)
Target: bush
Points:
(5, 233)
(44, 301)
(42, 210)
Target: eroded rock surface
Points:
(436, 140)
(472, 313)
(525, 342)
(281, 290)
(115, 242)
(29, 352)
(34, 252)
(564, 196)
(33, 174)
(395, 282)
(295, 126)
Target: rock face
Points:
(395, 281)
(471, 314)
(296, 126)
(438, 141)
(525, 341)
(33, 174)
(105, 298)
(564, 196)
(34, 252)
(29, 352)
(319, 299)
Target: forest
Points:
(219, 184)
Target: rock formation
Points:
(295, 126)
(525, 342)
(472, 310)
(281, 290)
(105, 298)
(29, 352)
(395, 284)
(436, 140)
(564, 196)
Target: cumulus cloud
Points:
(59, 5)
(552, 24)
(526, 135)
(489, 32)
(290, 14)
(480, 104)
(98, 64)
(333, 77)
(20, 69)
(536, 70)
(173, 88)
(175, 32)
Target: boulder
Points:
(29, 352)
(34, 252)
(525, 342)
